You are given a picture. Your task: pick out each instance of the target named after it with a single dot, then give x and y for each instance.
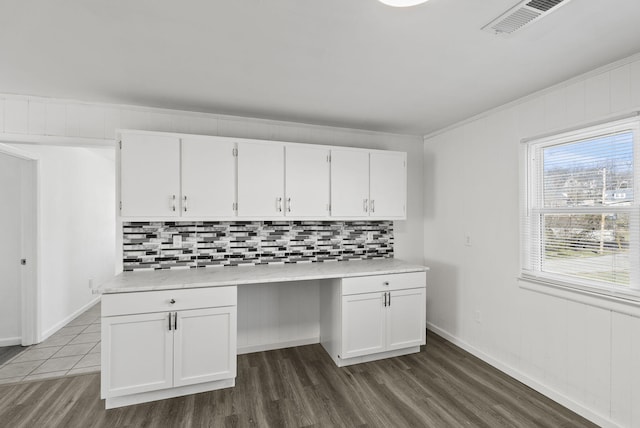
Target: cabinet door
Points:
(260, 180)
(150, 176)
(363, 324)
(137, 354)
(388, 185)
(205, 345)
(307, 181)
(208, 177)
(349, 183)
(406, 324)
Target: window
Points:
(580, 217)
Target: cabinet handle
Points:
(185, 204)
(365, 206)
(173, 204)
(373, 206)
(169, 321)
(389, 298)
(289, 204)
(385, 299)
(279, 205)
(386, 283)
(175, 319)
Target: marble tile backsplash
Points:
(170, 245)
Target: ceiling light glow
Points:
(402, 3)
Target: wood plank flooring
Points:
(442, 386)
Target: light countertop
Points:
(237, 275)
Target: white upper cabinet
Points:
(307, 181)
(208, 177)
(349, 183)
(166, 176)
(387, 185)
(150, 175)
(261, 179)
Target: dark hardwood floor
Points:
(442, 386)
(8, 352)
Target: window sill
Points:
(628, 306)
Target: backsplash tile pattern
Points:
(150, 245)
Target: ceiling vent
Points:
(521, 15)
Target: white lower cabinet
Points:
(363, 325)
(373, 317)
(150, 356)
(139, 354)
(204, 346)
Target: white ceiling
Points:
(352, 63)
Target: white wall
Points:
(77, 219)
(10, 250)
(585, 354)
(259, 323)
(22, 117)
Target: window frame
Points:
(532, 210)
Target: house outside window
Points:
(580, 217)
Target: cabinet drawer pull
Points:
(386, 283)
(172, 301)
(169, 321)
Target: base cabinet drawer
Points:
(395, 281)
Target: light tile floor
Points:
(73, 349)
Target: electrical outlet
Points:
(467, 239)
(91, 283)
(177, 241)
(369, 236)
(478, 316)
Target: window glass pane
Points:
(594, 172)
(588, 246)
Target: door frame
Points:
(30, 301)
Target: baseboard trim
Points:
(11, 341)
(524, 378)
(279, 345)
(47, 333)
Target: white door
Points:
(208, 177)
(205, 345)
(406, 324)
(260, 180)
(137, 354)
(388, 185)
(307, 181)
(19, 212)
(10, 249)
(150, 176)
(363, 324)
(349, 183)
